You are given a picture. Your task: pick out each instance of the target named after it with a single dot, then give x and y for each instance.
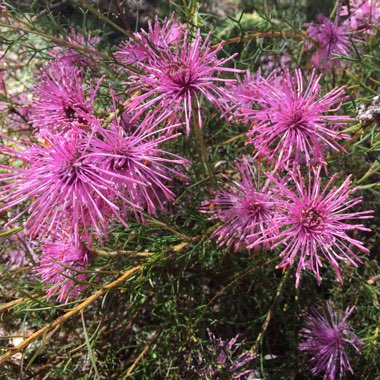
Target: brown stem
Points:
(141, 355)
(248, 37)
(271, 311)
(201, 146)
(57, 40)
(77, 309)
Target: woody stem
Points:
(201, 146)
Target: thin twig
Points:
(248, 37)
(271, 311)
(201, 146)
(57, 40)
(141, 355)
(103, 253)
(171, 229)
(106, 19)
(10, 304)
(237, 279)
(59, 321)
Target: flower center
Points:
(179, 72)
(121, 162)
(311, 217)
(254, 208)
(71, 115)
(296, 119)
(70, 171)
(178, 68)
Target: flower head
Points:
(293, 121)
(314, 222)
(60, 102)
(77, 57)
(135, 152)
(244, 93)
(326, 338)
(18, 249)
(364, 15)
(61, 184)
(246, 209)
(331, 39)
(175, 76)
(158, 35)
(60, 266)
(225, 360)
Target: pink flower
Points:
(61, 184)
(224, 359)
(292, 122)
(61, 102)
(3, 10)
(18, 249)
(135, 50)
(60, 266)
(326, 338)
(246, 209)
(130, 148)
(364, 15)
(331, 39)
(313, 221)
(175, 76)
(245, 91)
(71, 56)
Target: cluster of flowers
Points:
(82, 169)
(293, 127)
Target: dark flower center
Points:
(296, 119)
(254, 208)
(179, 72)
(311, 217)
(70, 172)
(119, 163)
(72, 115)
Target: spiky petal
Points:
(246, 209)
(294, 122)
(174, 77)
(135, 152)
(60, 101)
(327, 337)
(158, 35)
(224, 359)
(60, 267)
(314, 223)
(59, 183)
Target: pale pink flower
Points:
(84, 59)
(331, 39)
(364, 15)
